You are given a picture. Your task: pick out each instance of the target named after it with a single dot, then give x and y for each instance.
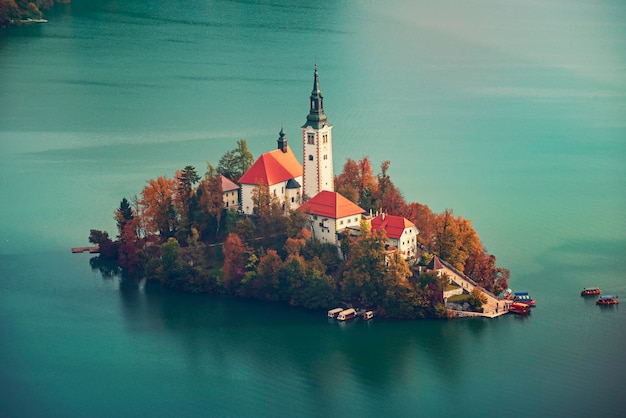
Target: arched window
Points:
(311, 157)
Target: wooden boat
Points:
(334, 312)
(519, 308)
(368, 315)
(607, 300)
(346, 314)
(590, 291)
(525, 298)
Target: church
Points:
(288, 180)
(310, 187)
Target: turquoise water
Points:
(510, 113)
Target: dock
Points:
(493, 308)
(94, 249)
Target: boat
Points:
(525, 298)
(519, 308)
(607, 300)
(31, 20)
(590, 291)
(346, 314)
(334, 312)
(367, 315)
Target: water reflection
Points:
(223, 336)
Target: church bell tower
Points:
(317, 146)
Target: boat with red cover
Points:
(607, 300)
(519, 308)
(590, 291)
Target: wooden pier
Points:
(94, 249)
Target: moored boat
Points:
(607, 300)
(590, 291)
(519, 308)
(525, 298)
(334, 312)
(368, 315)
(346, 314)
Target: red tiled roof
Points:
(228, 185)
(330, 205)
(393, 225)
(435, 264)
(273, 167)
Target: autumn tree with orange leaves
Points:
(157, 202)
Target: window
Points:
(310, 139)
(310, 157)
(325, 156)
(325, 139)
(341, 222)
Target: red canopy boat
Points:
(519, 308)
(590, 291)
(607, 300)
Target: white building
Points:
(317, 146)
(230, 193)
(401, 234)
(329, 214)
(280, 171)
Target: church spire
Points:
(316, 117)
(282, 140)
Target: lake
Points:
(509, 113)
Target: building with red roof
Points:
(401, 233)
(280, 171)
(230, 193)
(330, 213)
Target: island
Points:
(20, 12)
(278, 230)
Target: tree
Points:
(391, 200)
(236, 162)
(158, 208)
(358, 183)
(234, 262)
(315, 291)
(363, 277)
(347, 182)
(425, 221)
(481, 267)
(9, 13)
(211, 201)
(267, 284)
(368, 187)
(291, 277)
(297, 220)
(186, 179)
(130, 246)
(32, 11)
(266, 206)
(108, 248)
(476, 300)
(171, 267)
(447, 241)
(122, 215)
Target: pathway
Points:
(493, 308)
